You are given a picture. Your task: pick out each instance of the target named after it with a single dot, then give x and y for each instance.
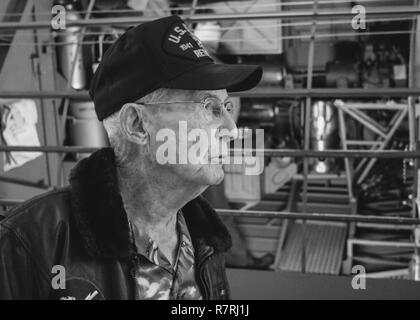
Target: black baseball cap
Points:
(162, 53)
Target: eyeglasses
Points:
(212, 106)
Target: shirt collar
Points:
(144, 245)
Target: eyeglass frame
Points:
(202, 102)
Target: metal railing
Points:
(294, 14)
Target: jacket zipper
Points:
(205, 255)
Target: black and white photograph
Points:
(210, 150)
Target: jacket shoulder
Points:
(38, 207)
(39, 225)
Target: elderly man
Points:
(132, 223)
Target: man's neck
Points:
(152, 202)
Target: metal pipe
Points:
(36, 65)
(69, 86)
(308, 107)
(40, 184)
(368, 122)
(318, 216)
(388, 154)
(53, 94)
(285, 224)
(327, 93)
(204, 7)
(401, 115)
(383, 226)
(293, 14)
(48, 149)
(254, 40)
(412, 120)
(381, 243)
(295, 215)
(265, 26)
(347, 164)
(255, 93)
(363, 143)
(10, 202)
(307, 131)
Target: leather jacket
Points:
(73, 243)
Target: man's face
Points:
(189, 140)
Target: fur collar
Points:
(101, 219)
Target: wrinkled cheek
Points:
(154, 145)
(198, 152)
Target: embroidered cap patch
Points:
(179, 41)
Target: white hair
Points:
(112, 123)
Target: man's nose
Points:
(229, 130)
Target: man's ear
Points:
(132, 118)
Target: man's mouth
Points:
(220, 159)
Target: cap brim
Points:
(214, 76)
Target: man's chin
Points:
(206, 174)
(213, 174)
(219, 174)
(220, 179)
